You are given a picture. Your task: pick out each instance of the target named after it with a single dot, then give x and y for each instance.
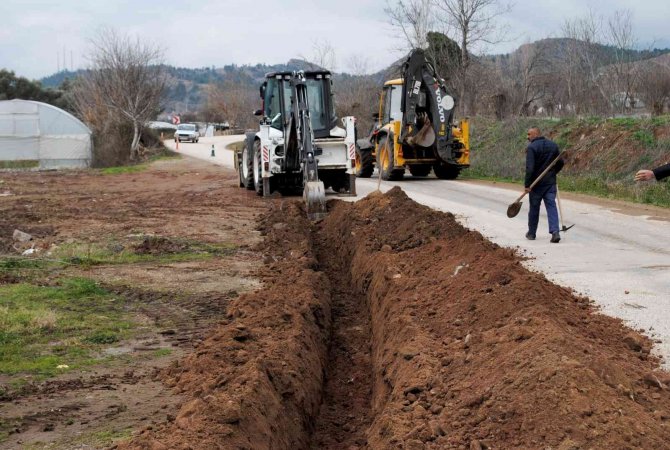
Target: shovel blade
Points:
(315, 200)
(513, 209)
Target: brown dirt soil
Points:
(389, 325)
(610, 148)
(175, 206)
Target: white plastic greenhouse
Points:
(34, 131)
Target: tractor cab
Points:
(276, 94)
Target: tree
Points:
(624, 72)
(655, 86)
(415, 19)
(12, 86)
(125, 83)
(357, 94)
(472, 23)
(233, 102)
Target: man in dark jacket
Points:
(541, 152)
(659, 173)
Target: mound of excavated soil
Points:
(429, 337)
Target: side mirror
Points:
(262, 90)
(258, 112)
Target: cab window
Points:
(394, 103)
(273, 103)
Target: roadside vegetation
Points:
(602, 154)
(159, 153)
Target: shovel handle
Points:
(520, 197)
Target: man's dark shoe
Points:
(530, 237)
(555, 237)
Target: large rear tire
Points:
(386, 161)
(419, 170)
(365, 163)
(247, 168)
(257, 170)
(445, 172)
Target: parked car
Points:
(187, 132)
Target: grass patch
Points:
(20, 164)
(124, 169)
(104, 438)
(627, 123)
(43, 327)
(164, 154)
(117, 253)
(645, 137)
(162, 352)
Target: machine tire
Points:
(365, 163)
(419, 170)
(238, 166)
(445, 172)
(246, 168)
(256, 169)
(386, 161)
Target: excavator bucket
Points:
(315, 200)
(425, 136)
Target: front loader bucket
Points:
(315, 200)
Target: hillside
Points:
(558, 49)
(602, 155)
(185, 88)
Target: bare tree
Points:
(356, 93)
(323, 56)
(125, 82)
(655, 86)
(472, 23)
(414, 19)
(529, 71)
(234, 102)
(585, 35)
(624, 72)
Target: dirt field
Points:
(171, 245)
(386, 325)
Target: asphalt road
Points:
(618, 254)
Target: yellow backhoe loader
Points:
(415, 128)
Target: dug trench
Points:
(389, 325)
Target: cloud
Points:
(215, 33)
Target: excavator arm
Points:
(428, 110)
(314, 192)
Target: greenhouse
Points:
(41, 135)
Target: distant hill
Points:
(557, 49)
(186, 86)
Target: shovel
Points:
(560, 210)
(514, 208)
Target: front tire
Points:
(257, 169)
(247, 168)
(364, 163)
(386, 161)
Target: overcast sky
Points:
(35, 34)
